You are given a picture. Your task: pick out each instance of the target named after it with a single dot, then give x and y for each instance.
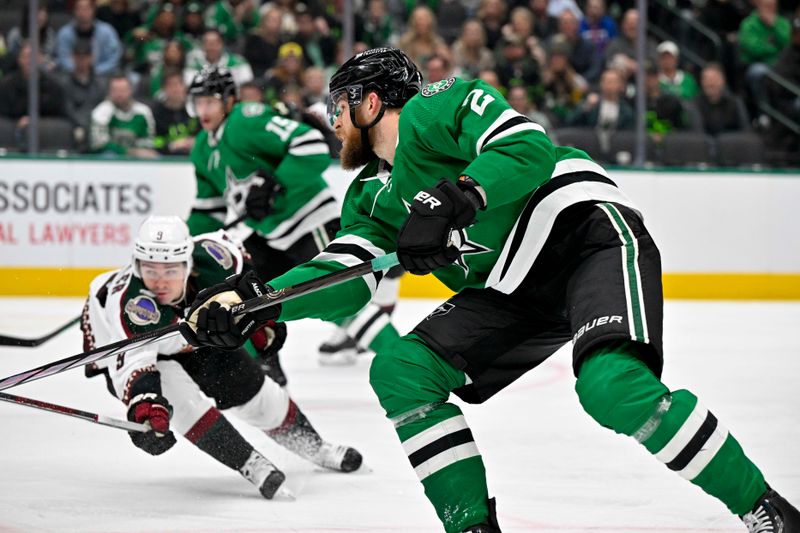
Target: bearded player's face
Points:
(353, 153)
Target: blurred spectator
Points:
(582, 54)
(520, 28)
(557, 7)
(213, 53)
(286, 73)
(251, 91)
(520, 100)
(545, 25)
(262, 43)
(175, 129)
(762, 36)
(597, 27)
(121, 125)
(421, 41)
(118, 14)
(606, 111)
(719, 109)
(492, 16)
(47, 36)
(665, 112)
(788, 66)
(438, 68)
(724, 17)
(515, 65)
(563, 87)
(174, 58)
(315, 86)
(622, 48)
(470, 54)
(490, 77)
(233, 18)
(672, 79)
(318, 45)
(451, 15)
(83, 91)
(14, 91)
(378, 24)
(149, 43)
(193, 25)
(106, 46)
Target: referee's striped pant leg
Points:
(412, 384)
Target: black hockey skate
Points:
(259, 471)
(491, 525)
(271, 365)
(772, 514)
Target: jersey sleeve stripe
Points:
(208, 204)
(309, 136)
(509, 116)
(310, 149)
(510, 129)
(348, 255)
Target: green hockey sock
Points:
(370, 328)
(413, 384)
(619, 391)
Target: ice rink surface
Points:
(551, 467)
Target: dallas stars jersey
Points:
(456, 127)
(120, 306)
(255, 137)
(117, 130)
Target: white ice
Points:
(550, 466)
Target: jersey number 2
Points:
(473, 98)
(282, 127)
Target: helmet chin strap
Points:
(365, 129)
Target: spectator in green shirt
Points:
(672, 79)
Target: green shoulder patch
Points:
(437, 87)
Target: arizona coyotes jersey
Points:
(255, 137)
(119, 306)
(452, 128)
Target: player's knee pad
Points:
(267, 409)
(617, 388)
(404, 376)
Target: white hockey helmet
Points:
(163, 239)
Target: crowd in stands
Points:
(117, 71)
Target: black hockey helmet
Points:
(211, 81)
(387, 71)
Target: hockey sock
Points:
(296, 433)
(412, 384)
(213, 434)
(619, 391)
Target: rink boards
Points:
(722, 235)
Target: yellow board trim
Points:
(686, 286)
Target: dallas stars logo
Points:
(236, 190)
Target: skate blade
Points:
(284, 494)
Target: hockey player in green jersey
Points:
(542, 249)
(251, 160)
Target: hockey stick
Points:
(272, 298)
(8, 340)
(76, 413)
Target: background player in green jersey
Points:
(542, 249)
(169, 385)
(250, 160)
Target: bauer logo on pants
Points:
(143, 310)
(601, 321)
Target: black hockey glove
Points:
(209, 321)
(154, 410)
(261, 198)
(425, 241)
